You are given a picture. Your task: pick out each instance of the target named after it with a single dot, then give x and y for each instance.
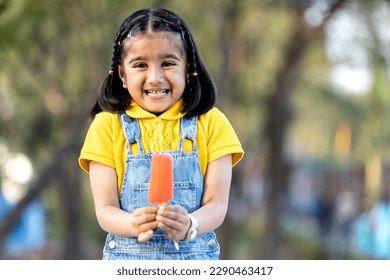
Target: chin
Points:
(157, 111)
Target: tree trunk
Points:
(279, 118)
(69, 190)
(50, 174)
(228, 79)
(280, 113)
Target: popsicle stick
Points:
(176, 245)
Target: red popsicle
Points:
(161, 178)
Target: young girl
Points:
(159, 97)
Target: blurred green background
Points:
(304, 83)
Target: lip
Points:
(156, 92)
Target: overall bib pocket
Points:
(184, 195)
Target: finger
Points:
(144, 220)
(145, 236)
(173, 209)
(144, 215)
(147, 226)
(171, 222)
(175, 233)
(166, 223)
(145, 210)
(174, 213)
(170, 233)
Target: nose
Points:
(155, 75)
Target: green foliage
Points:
(54, 54)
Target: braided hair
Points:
(200, 91)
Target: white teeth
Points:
(156, 93)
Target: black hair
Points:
(200, 92)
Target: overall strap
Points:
(131, 129)
(188, 129)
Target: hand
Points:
(145, 222)
(174, 221)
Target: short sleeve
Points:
(98, 143)
(221, 137)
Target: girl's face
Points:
(154, 70)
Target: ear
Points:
(122, 75)
(121, 72)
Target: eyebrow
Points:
(164, 56)
(169, 55)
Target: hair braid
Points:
(113, 96)
(117, 48)
(193, 70)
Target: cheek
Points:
(181, 78)
(133, 77)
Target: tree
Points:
(280, 113)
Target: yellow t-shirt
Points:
(105, 141)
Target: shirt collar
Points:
(137, 112)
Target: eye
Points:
(140, 65)
(168, 63)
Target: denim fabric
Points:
(188, 191)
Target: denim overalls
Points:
(188, 191)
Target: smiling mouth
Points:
(156, 93)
